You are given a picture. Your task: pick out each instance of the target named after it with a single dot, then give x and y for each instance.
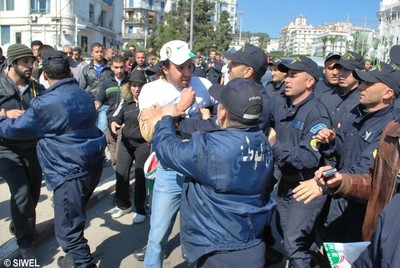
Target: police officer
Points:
(297, 116)
(331, 75)
(355, 146)
(277, 85)
(344, 98)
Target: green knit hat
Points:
(17, 51)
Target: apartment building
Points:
(61, 22)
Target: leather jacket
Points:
(379, 184)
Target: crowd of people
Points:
(223, 142)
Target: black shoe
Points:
(65, 262)
(140, 253)
(28, 253)
(11, 228)
(272, 256)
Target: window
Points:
(40, 6)
(7, 5)
(150, 4)
(162, 6)
(84, 43)
(131, 3)
(4, 35)
(91, 13)
(129, 30)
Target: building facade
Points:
(61, 22)
(298, 38)
(138, 18)
(388, 28)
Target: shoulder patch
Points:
(314, 144)
(317, 128)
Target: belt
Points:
(298, 176)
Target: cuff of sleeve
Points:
(345, 185)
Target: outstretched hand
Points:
(307, 191)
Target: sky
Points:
(269, 16)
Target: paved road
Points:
(111, 241)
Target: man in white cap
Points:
(176, 79)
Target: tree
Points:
(263, 40)
(206, 35)
(223, 36)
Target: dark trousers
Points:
(297, 222)
(128, 151)
(253, 257)
(70, 200)
(22, 172)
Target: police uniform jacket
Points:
(384, 250)
(339, 104)
(275, 90)
(322, 87)
(357, 140)
(224, 205)
(64, 120)
(378, 185)
(296, 151)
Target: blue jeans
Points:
(164, 208)
(102, 121)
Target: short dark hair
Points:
(44, 48)
(77, 49)
(118, 58)
(56, 65)
(95, 45)
(36, 43)
(237, 121)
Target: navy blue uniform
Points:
(384, 250)
(355, 147)
(297, 157)
(322, 87)
(275, 89)
(189, 125)
(339, 104)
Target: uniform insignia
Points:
(298, 124)
(317, 128)
(314, 144)
(374, 153)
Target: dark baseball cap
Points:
(332, 55)
(155, 69)
(237, 96)
(276, 62)
(251, 56)
(54, 58)
(301, 63)
(394, 55)
(383, 73)
(351, 61)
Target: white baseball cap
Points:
(176, 51)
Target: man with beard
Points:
(19, 165)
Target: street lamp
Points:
(240, 15)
